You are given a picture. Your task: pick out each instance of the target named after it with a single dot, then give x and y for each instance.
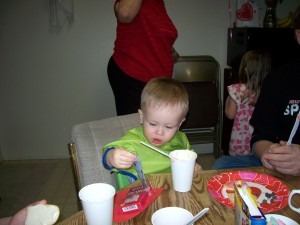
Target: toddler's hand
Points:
(120, 158)
(198, 168)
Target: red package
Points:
(131, 202)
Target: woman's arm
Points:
(126, 10)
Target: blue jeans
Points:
(228, 162)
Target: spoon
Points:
(156, 149)
(200, 214)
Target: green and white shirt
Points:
(152, 161)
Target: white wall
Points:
(50, 80)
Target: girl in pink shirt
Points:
(255, 66)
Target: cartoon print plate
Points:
(271, 194)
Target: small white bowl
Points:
(171, 216)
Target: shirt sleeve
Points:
(235, 91)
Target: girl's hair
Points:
(163, 91)
(255, 66)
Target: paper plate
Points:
(271, 194)
(284, 219)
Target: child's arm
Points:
(230, 107)
(120, 158)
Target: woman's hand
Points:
(20, 217)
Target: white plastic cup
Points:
(290, 200)
(171, 216)
(183, 169)
(97, 202)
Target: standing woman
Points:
(143, 50)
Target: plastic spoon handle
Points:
(295, 127)
(161, 152)
(200, 214)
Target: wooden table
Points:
(197, 199)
